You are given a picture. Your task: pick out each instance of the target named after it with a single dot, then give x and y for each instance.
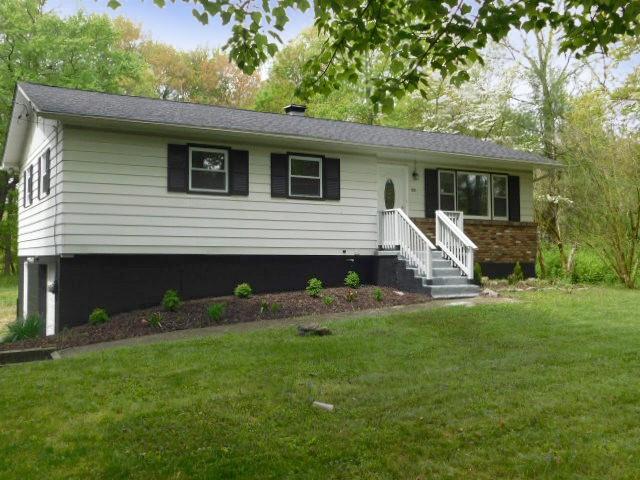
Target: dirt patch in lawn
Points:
(193, 314)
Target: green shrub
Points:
(377, 294)
(266, 307)
(155, 319)
(243, 290)
(216, 310)
(328, 300)
(275, 307)
(477, 274)
(171, 301)
(351, 295)
(517, 275)
(314, 287)
(589, 267)
(352, 280)
(98, 316)
(21, 329)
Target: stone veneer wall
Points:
(500, 243)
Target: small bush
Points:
(216, 310)
(477, 274)
(155, 320)
(352, 280)
(517, 275)
(98, 316)
(314, 287)
(243, 290)
(351, 295)
(266, 307)
(171, 301)
(20, 329)
(377, 294)
(328, 300)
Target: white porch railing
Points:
(455, 217)
(454, 243)
(398, 231)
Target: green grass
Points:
(8, 297)
(547, 388)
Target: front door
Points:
(392, 187)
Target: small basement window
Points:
(208, 170)
(305, 176)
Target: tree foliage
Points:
(605, 185)
(419, 37)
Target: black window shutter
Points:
(514, 198)
(24, 188)
(430, 192)
(279, 181)
(331, 179)
(239, 172)
(177, 168)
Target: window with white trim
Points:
(499, 188)
(208, 170)
(305, 176)
(477, 195)
(30, 184)
(473, 197)
(447, 188)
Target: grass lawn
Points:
(547, 388)
(8, 297)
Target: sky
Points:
(174, 24)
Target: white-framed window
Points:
(305, 176)
(500, 195)
(476, 194)
(208, 170)
(30, 185)
(45, 173)
(447, 190)
(473, 194)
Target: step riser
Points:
(448, 281)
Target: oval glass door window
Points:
(389, 194)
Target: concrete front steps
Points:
(447, 281)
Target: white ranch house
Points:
(122, 198)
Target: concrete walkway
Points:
(261, 324)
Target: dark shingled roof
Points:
(64, 101)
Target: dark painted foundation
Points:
(120, 283)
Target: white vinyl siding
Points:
(116, 201)
(37, 222)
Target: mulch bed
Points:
(193, 314)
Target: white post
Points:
(396, 228)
